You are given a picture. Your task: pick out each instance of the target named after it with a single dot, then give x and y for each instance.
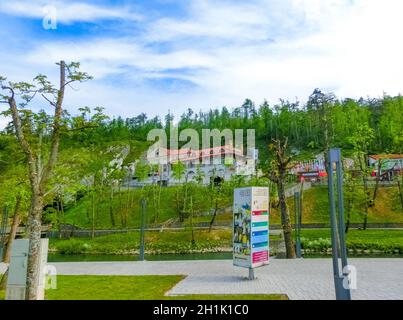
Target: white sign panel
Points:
(251, 227)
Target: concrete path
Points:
(312, 279)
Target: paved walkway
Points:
(299, 279)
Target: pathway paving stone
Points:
(305, 279)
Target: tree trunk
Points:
(349, 207)
(11, 237)
(400, 192)
(378, 177)
(87, 211)
(159, 200)
(191, 222)
(59, 227)
(93, 214)
(180, 212)
(214, 216)
(13, 231)
(366, 191)
(154, 192)
(34, 231)
(111, 208)
(285, 220)
(128, 201)
(3, 280)
(365, 224)
(122, 219)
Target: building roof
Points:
(386, 156)
(187, 154)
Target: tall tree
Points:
(361, 140)
(279, 168)
(39, 159)
(323, 104)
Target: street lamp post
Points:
(337, 225)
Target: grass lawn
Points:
(315, 208)
(130, 288)
(387, 241)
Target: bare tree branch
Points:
(56, 127)
(11, 90)
(48, 100)
(33, 176)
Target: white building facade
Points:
(203, 166)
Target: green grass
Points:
(315, 209)
(386, 241)
(124, 204)
(112, 287)
(131, 288)
(231, 297)
(156, 243)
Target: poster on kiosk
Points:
(251, 227)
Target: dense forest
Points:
(90, 139)
(323, 119)
(89, 188)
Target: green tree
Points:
(279, 169)
(361, 141)
(30, 130)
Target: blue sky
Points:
(154, 55)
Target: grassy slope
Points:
(130, 288)
(78, 214)
(315, 210)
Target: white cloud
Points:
(350, 47)
(4, 122)
(66, 12)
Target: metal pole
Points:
(343, 249)
(342, 293)
(142, 231)
(251, 274)
(335, 256)
(297, 205)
